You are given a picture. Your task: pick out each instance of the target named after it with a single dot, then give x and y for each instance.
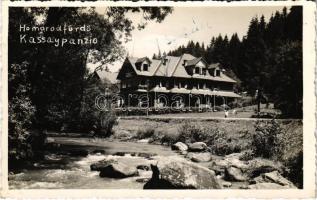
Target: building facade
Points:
(180, 82)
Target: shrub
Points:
(190, 132)
(104, 125)
(247, 155)
(146, 133)
(267, 141)
(168, 139)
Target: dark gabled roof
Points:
(214, 65)
(174, 68)
(140, 60)
(193, 61)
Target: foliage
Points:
(21, 113)
(92, 119)
(289, 96)
(267, 141)
(294, 169)
(47, 84)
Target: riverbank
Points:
(69, 166)
(144, 145)
(222, 136)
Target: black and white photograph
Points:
(156, 97)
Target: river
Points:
(63, 171)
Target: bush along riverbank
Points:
(252, 154)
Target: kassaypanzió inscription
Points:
(38, 35)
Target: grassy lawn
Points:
(236, 130)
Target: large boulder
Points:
(118, 170)
(176, 173)
(197, 146)
(234, 174)
(199, 157)
(179, 146)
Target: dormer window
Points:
(217, 72)
(145, 67)
(138, 67)
(204, 71)
(197, 70)
(164, 61)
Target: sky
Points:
(199, 24)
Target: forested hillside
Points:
(268, 58)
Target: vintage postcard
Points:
(158, 99)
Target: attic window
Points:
(217, 72)
(204, 71)
(145, 67)
(164, 61)
(197, 70)
(184, 62)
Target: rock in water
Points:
(179, 146)
(260, 166)
(226, 184)
(199, 157)
(219, 166)
(118, 170)
(197, 146)
(233, 160)
(276, 177)
(143, 141)
(266, 186)
(177, 173)
(101, 164)
(78, 152)
(234, 174)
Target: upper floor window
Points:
(145, 67)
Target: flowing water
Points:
(64, 171)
